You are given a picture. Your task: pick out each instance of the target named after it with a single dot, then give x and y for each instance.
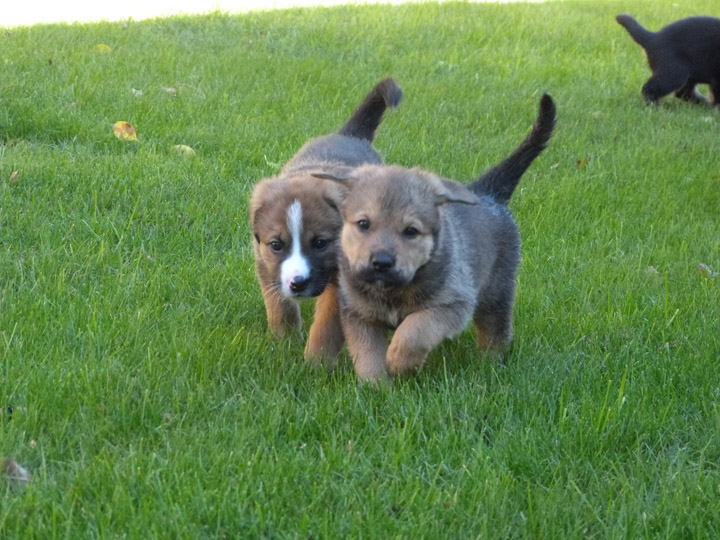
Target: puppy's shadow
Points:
(461, 357)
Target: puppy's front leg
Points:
(421, 332)
(283, 314)
(326, 338)
(367, 345)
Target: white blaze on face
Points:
(295, 267)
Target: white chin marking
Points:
(296, 265)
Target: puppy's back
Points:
(485, 243)
(331, 151)
(696, 40)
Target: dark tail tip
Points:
(366, 119)
(545, 123)
(624, 19)
(500, 181)
(640, 34)
(390, 91)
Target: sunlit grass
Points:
(148, 398)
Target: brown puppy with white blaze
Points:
(296, 229)
(423, 255)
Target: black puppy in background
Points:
(681, 55)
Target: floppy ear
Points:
(260, 194)
(336, 187)
(341, 174)
(449, 191)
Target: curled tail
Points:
(501, 180)
(368, 115)
(641, 35)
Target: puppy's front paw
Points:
(402, 359)
(284, 318)
(319, 355)
(380, 378)
(285, 328)
(324, 343)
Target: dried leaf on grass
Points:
(124, 131)
(183, 150)
(14, 178)
(14, 473)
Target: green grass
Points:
(149, 399)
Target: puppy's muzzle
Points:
(299, 284)
(381, 271)
(382, 261)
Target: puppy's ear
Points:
(343, 174)
(336, 188)
(449, 191)
(259, 196)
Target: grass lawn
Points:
(148, 399)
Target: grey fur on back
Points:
(330, 152)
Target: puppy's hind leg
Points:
(714, 97)
(493, 322)
(689, 93)
(326, 337)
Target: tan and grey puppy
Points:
(423, 255)
(296, 229)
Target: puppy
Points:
(296, 230)
(423, 255)
(681, 55)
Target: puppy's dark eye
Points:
(276, 245)
(320, 243)
(411, 232)
(363, 224)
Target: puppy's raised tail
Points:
(500, 181)
(641, 35)
(366, 119)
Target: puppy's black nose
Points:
(299, 283)
(382, 261)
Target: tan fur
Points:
(435, 284)
(360, 246)
(326, 338)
